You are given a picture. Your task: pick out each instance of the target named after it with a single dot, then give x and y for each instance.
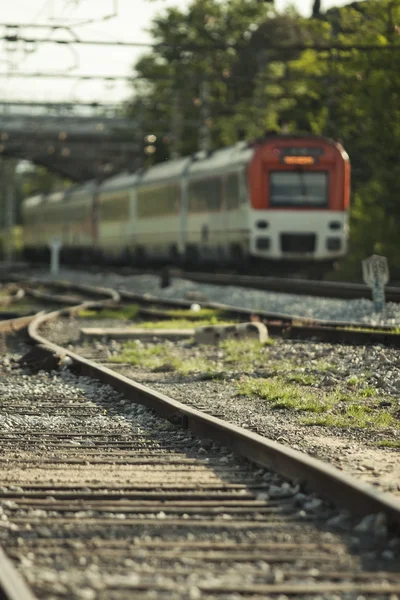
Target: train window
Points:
(76, 213)
(115, 208)
(298, 188)
(244, 191)
(232, 191)
(159, 201)
(205, 195)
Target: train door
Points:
(182, 207)
(95, 217)
(235, 217)
(212, 220)
(132, 218)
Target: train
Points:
(281, 200)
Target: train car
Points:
(280, 200)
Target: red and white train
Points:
(281, 200)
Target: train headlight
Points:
(333, 243)
(335, 225)
(263, 243)
(262, 224)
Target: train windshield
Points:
(298, 188)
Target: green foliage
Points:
(125, 313)
(395, 444)
(352, 95)
(180, 323)
(222, 43)
(161, 358)
(355, 416)
(281, 393)
(285, 395)
(248, 354)
(27, 181)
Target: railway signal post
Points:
(55, 247)
(376, 275)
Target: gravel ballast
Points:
(76, 460)
(369, 374)
(305, 306)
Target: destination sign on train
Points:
(299, 160)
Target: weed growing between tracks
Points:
(258, 370)
(354, 415)
(125, 313)
(181, 324)
(336, 408)
(160, 357)
(395, 444)
(177, 319)
(209, 361)
(213, 316)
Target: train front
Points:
(300, 193)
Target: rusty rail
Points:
(359, 498)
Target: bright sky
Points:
(130, 24)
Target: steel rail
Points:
(15, 324)
(285, 325)
(16, 295)
(96, 292)
(12, 584)
(325, 289)
(359, 498)
(288, 326)
(343, 290)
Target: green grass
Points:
(395, 330)
(137, 354)
(23, 307)
(388, 443)
(321, 365)
(284, 395)
(368, 392)
(179, 319)
(329, 409)
(125, 313)
(302, 378)
(193, 365)
(159, 357)
(241, 354)
(247, 353)
(177, 324)
(355, 415)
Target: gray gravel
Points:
(369, 374)
(91, 554)
(306, 306)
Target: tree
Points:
(211, 68)
(350, 93)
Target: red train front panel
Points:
(299, 194)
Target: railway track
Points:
(111, 490)
(288, 326)
(290, 285)
(153, 307)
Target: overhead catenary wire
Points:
(190, 47)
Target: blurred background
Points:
(122, 84)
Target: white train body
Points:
(283, 199)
